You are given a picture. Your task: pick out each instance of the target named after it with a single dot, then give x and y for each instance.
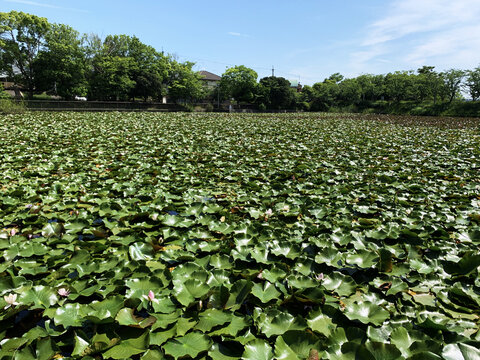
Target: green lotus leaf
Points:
(52, 229)
(127, 317)
(467, 264)
(225, 351)
(460, 352)
(329, 256)
(40, 296)
(367, 313)
(238, 293)
(283, 351)
(321, 323)
(363, 259)
(68, 315)
(164, 320)
(140, 251)
(275, 322)
(211, 318)
(152, 354)
(76, 226)
(265, 292)
(81, 345)
(189, 345)
(382, 351)
(187, 292)
(132, 345)
(302, 342)
(425, 355)
(161, 336)
(257, 350)
(237, 324)
(343, 285)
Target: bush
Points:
(188, 108)
(262, 107)
(8, 106)
(209, 107)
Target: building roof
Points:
(294, 83)
(209, 76)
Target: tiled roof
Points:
(209, 76)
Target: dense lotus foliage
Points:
(257, 237)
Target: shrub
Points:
(8, 106)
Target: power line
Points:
(273, 70)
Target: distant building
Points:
(209, 79)
(294, 84)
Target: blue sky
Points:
(305, 40)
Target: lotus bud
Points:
(151, 295)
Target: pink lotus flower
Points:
(151, 295)
(319, 277)
(11, 300)
(269, 212)
(63, 292)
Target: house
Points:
(10, 87)
(294, 84)
(209, 79)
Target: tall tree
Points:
(350, 92)
(472, 83)
(398, 86)
(276, 93)
(453, 81)
(22, 37)
(431, 83)
(239, 82)
(184, 84)
(110, 79)
(60, 67)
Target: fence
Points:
(59, 105)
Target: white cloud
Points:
(50, 6)
(232, 33)
(412, 33)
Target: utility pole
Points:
(273, 71)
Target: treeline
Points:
(58, 60)
(425, 87)
(402, 91)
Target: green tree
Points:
(60, 67)
(350, 92)
(184, 84)
(472, 83)
(22, 37)
(453, 80)
(143, 72)
(110, 79)
(150, 72)
(399, 86)
(325, 94)
(335, 78)
(275, 93)
(239, 82)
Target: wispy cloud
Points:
(423, 32)
(232, 33)
(50, 6)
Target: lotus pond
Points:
(257, 237)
